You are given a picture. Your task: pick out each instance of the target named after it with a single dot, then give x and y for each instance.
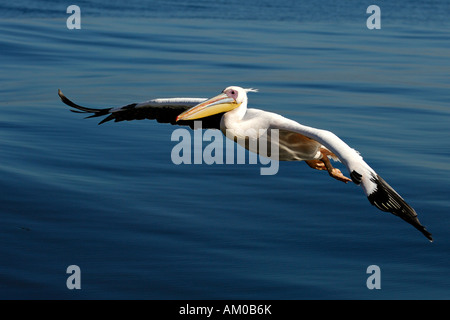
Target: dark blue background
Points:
(108, 198)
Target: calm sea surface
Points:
(109, 199)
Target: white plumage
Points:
(296, 142)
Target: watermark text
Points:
(263, 146)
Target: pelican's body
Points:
(228, 112)
(256, 123)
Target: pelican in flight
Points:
(228, 112)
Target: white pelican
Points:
(228, 112)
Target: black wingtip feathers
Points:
(385, 198)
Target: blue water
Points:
(109, 199)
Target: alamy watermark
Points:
(74, 280)
(74, 20)
(263, 146)
(374, 280)
(374, 21)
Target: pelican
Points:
(228, 112)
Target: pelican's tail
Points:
(329, 154)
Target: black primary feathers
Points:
(387, 199)
(163, 113)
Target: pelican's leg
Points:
(316, 164)
(334, 172)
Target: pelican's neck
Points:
(237, 114)
(231, 121)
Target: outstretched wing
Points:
(378, 191)
(161, 110)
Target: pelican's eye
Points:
(232, 93)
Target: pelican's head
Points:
(230, 98)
